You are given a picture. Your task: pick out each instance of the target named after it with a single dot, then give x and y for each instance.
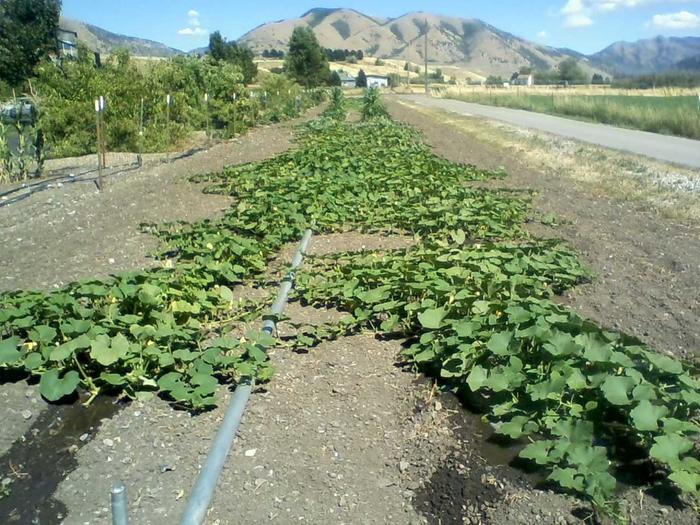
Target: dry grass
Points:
(388, 67)
(573, 90)
(672, 191)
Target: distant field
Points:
(670, 115)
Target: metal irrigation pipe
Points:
(120, 513)
(203, 491)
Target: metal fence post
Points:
(120, 510)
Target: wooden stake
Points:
(104, 133)
(100, 176)
(427, 86)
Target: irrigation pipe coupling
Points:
(198, 503)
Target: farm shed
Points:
(377, 81)
(67, 43)
(524, 80)
(347, 80)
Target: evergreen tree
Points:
(217, 46)
(231, 52)
(27, 35)
(335, 79)
(306, 61)
(361, 80)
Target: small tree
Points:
(394, 80)
(571, 72)
(335, 79)
(306, 61)
(361, 80)
(494, 81)
(27, 35)
(597, 79)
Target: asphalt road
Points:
(685, 152)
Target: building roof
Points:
(378, 76)
(67, 36)
(344, 77)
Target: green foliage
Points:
(474, 296)
(494, 81)
(27, 36)
(67, 96)
(335, 79)
(395, 80)
(372, 106)
(361, 80)
(336, 109)
(233, 53)
(479, 308)
(284, 98)
(306, 61)
(682, 79)
(571, 72)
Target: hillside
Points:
(102, 41)
(647, 56)
(471, 43)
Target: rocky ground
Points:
(343, 433)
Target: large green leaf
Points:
(616, 389)
(54, 387)
(108, 351)
(9, 351)
(668, 449)
(646, 416)
(432, 318)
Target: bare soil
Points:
(342, 434)
(73, 231)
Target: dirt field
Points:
(648, 266)
(343, 434)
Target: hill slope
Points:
(647, 56)
(102, 41)
(469, 42)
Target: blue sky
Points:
(583, 25)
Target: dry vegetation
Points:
(673, 191)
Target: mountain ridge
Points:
(103, 41)
(470, 42)
(467, 42)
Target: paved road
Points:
(677, 150)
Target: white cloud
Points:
(580, 13)
(680, 20)
(542, 35)
(192, 31)
(194, 27)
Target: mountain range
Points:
(467, 42)
(103, 41)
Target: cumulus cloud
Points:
(542, 35)
(581, 13)
(680, 20)
(194, 26)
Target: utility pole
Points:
(427, 86)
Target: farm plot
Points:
(472, 298)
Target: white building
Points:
(524, 80)
(377, 81)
